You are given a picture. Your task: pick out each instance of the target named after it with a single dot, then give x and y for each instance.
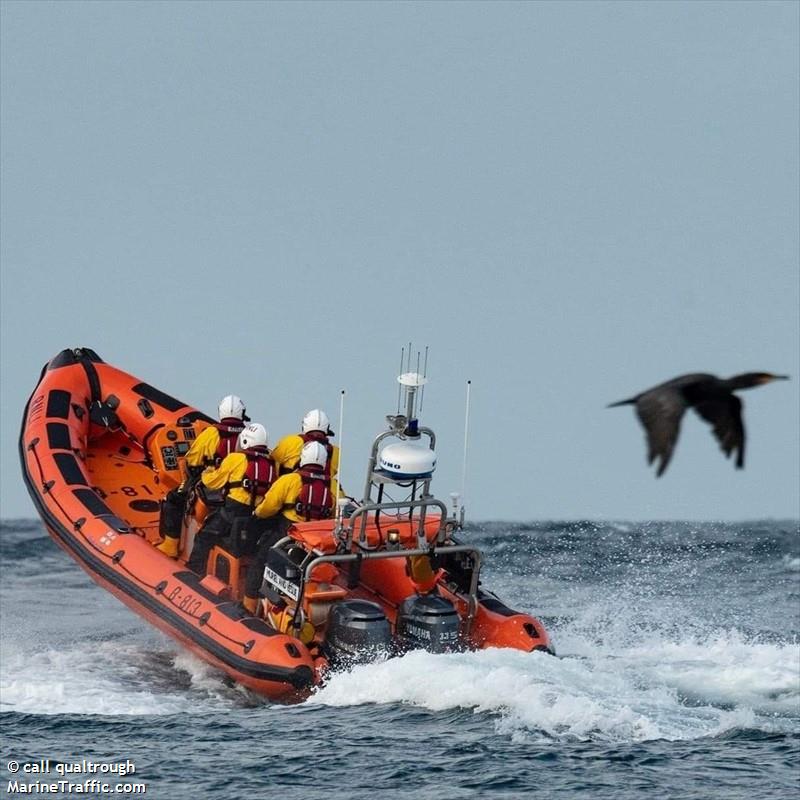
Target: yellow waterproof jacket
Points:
(287, 453)
(232, 470)
(204, 448)
(283, 494)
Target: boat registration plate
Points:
(279, 582)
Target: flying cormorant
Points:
(661, 408)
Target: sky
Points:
(566, 202)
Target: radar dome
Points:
(407, 460)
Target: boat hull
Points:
(100, 449)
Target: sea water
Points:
(677, 676)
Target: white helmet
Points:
(316, 420)
(254, 435)
(232, 406)
(313, 453)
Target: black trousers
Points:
(216, 528)
(173, 507)
(274, 529)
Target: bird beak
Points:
(780, 377)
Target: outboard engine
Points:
(428, 622)
(358, 632)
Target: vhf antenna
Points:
(464, 462)
(424, 375)
(341, 502)
(399, 388)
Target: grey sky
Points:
(568, 202)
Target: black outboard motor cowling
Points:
(358, 632)
(428, 622)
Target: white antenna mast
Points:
(340, 502)
(424, 375)
(402, 359)
(464, 463)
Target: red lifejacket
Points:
(229, 430)
(319, 436)
(315, 500)
(260, 474)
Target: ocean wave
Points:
(538, 697)
(790, 562)
(111, 678)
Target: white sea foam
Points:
(641, 661)
(791, 562)
(211, 683)
(109, 678)
(621, 527)
(668, 691)
(649, 688)
(724, 669)
(527, 692)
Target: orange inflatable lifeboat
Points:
(100, 449)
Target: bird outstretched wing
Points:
(660, 411)
(725, 416)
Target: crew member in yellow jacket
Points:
(307, 494)
(218, 440)
(315, 427)
(208, 450)
(244, 478)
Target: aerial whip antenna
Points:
(399, 387)
(424, 375)
(340, 505)
(464, 463)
